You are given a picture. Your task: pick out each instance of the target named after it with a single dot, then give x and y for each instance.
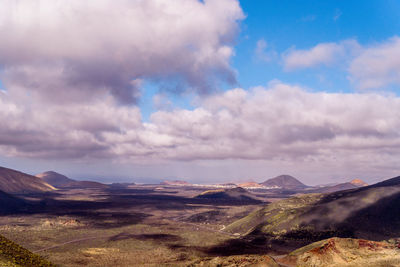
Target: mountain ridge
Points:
(61, 181)
(16, 182)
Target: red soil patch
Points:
(371, 245)
(330, 245)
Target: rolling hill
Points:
(55, 179)
(229, 194)
(15, 182)
(284, 182)
(61, 181)
(370, 212)
(356, 183)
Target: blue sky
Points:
(297, 24)
(303, 24)
(317, 87)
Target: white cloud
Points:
(321, 54)
(68, 50)
(377, 66)
(68, 65)
(262, 52)
(281, 123)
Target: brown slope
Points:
(12, 181)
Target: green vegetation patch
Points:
(275, 216)
(12, 254)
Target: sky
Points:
(204, 91)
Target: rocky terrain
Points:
(132, 225)
(346, 252)
(237, 261)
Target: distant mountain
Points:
(229, 194)
(284, 182)
(87, 184)
(358, 182)
(55, 179)
(12, 181)
(344, 252)
(250, 184)
(335, 188)
(121, 185)
(229, 184)
(61, 181)
(175, 182)
(369, 212)
(342, 186)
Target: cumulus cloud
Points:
(279, 123)
(76, 49)
(377, 66)
(321, 54)
(262, 52)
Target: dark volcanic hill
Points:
(12, 181)
(229, 194)
(61, 181)
(284, 182)
(369, 212)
